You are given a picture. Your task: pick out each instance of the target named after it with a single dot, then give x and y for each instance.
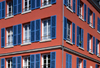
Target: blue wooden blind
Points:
(68, 61)
(82, 38)
(88, 37)
(33, 6)
(96, 46)
(38, 4)
(19, 34)
(2, 37)
(3, 9)
(77, 63)
(73, 33)
(88, 15)
(84, 63)
(14, 62)
(93, 20)
(2, 63)
(32, 61)
(37, 60)
(19, 6)
(78, 7)
(19, 62)
(85, 7)
(53, 1)
(93, 44)
(74, 5)
(32, 25)
(65, 2)
(77, 35)
(15, 35)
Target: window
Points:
(26, 33)
(68, 31)
(46, 61)
(97, 47)
(10, 8)
(9, 63)
(80, 63)
(91, 18)
(9, 36)
(81, 10)
(46, 2)
(27, 5)
(90, 43)
(46, 29)
(69, 4)
(26, 62)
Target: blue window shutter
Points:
(78, 7)
(19, 34)
(32, 61)
(19, 6)
(84, 63)
(19, 62)
(88, 37)
(70, 61)
(52, 59)
(93, 20)
(37, 60)
(73, 33)
(14, 7)
(65, 2)
(88, 15)
(13, 62)
(53, 1)
(77, 66)
(65, 29)
(82, 38)
(96, 66)
(33, 4)
(0, 11)
(98, 24)
(3, 63)
(77, 35)
(74, 3)
(85, 12)
(32, 25)
(53, 27)
(67, 57)
(3, 9)
(38, 22)
(93, 44)
(15, 35)
(96, 46)
(2, 37)
(38, 4)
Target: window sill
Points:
(9, 47)
(47, 40)
(91, 26)
(98, 32)
(69, 9)
(81, 48)
(98, 56)
(81, 18)
(46, 6)
(9, 17)
(26, 12)
(26, 44)
(69, 42)
(91, 52)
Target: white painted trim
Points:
(9, 46)
(81, 18)
(26, 44)
(7, 62)
(9, 17)
(47, 40)
(26, 12)
(69, 9)
(98, 32)
(91, 52)
(49, 5)
(69, 42)
(81, 48)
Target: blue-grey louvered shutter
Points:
(32, 25)
(19, 6)
(3, 63)
(93, 20)
(98, 24)
(38, 23)
(85, 12)
(33, 4)
(53, 1)
(53, 27)
(88, 15)
(77, 64)
(13, 62)
(2, 37)
(67, 60)
(73, 33)
(65, 29)
(96, 66)
(0, 11)
(19, 62)
(38, 4)
(14, 7)
(19, 34)
(3, 9)
(15, 35)
(84, 63)
(65, 2)
(78, 7)
(88, 37)
(52, 59)
(37, 60)
(32, 61)
(74, 3)
(93, 44)
(77, 35)
(82, 38)
(96, 46)
(70, 61)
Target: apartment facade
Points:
(50, 34)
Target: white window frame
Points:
(27, 6)
(69, 29)
(90, 18)
(26, 61)
(69, 2)
(81, 10)
(28, 33)
(48, 37)
(11, 38)
(90, 44)
(47, 2)
(80, 63)
(46, 60)
(8, 8)
(10, 63)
